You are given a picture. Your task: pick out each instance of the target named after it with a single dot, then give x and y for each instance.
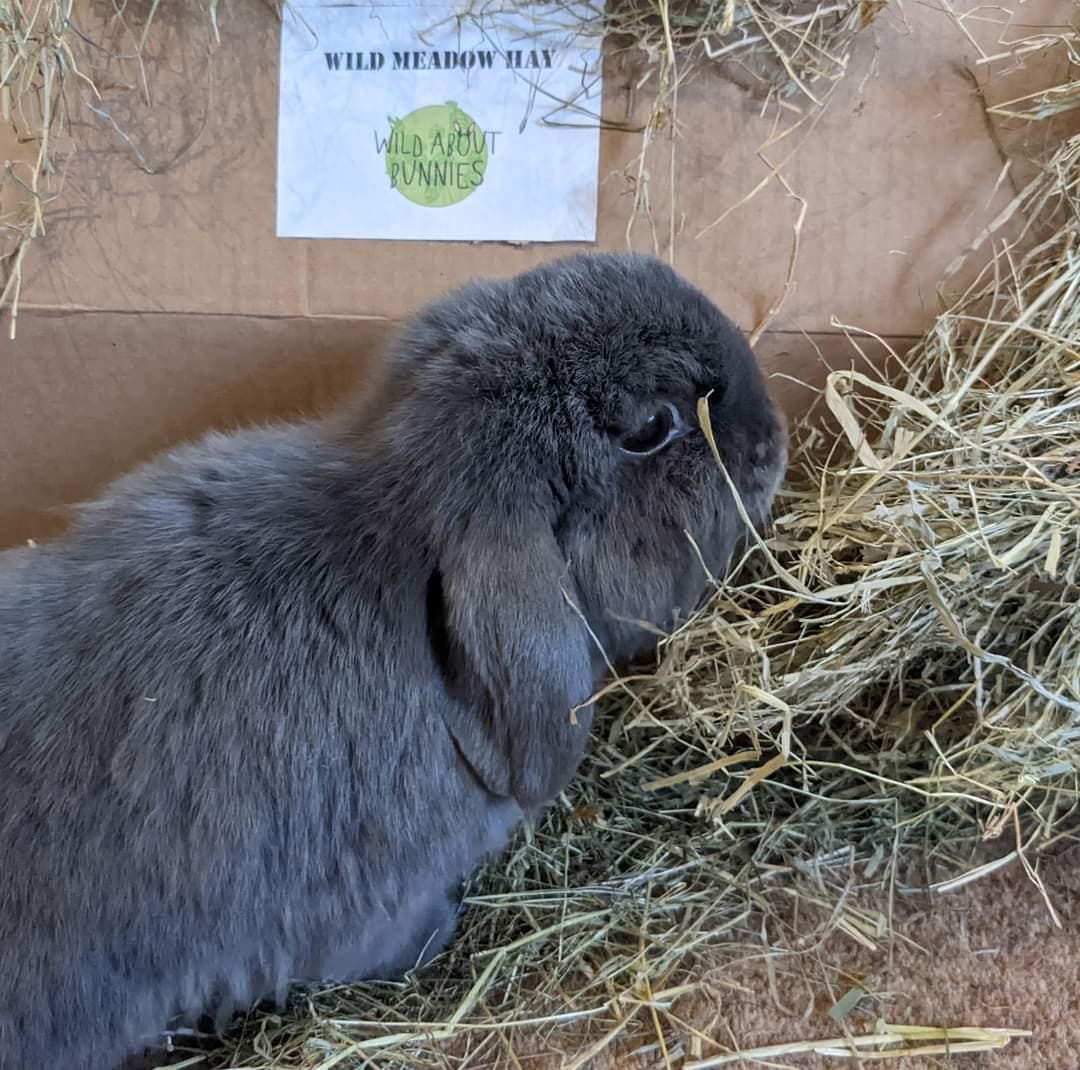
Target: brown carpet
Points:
(986, 955)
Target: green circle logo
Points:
(436, 156)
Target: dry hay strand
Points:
(890, 687)
(1048, 103)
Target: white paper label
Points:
(413, 122)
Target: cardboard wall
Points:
(161, 303)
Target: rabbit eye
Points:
(663, 426)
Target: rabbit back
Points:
(221, 760)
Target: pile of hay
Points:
(889, 695)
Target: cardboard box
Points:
(161, 304)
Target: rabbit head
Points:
(547, 430)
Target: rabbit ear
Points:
(516, 655)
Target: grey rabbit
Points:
(276, 694)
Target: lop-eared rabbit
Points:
(275, 694)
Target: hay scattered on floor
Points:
(895, 698)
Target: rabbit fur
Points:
(275, 694)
